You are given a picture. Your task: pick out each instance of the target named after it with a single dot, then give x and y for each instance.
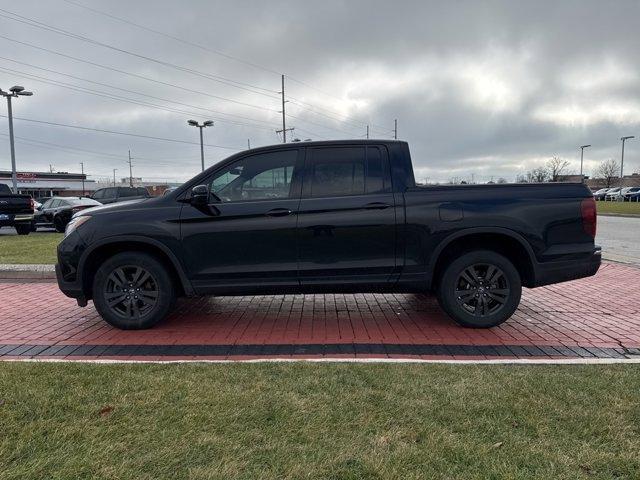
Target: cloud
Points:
(487, 89)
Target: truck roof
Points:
(320, 143)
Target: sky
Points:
(481, 90)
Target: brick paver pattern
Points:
(587, 317)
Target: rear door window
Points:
(340, 171)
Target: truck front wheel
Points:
(480, 289)
(133, 291)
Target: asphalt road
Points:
(619, 238)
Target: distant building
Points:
(47, 184)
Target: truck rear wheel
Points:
(133, 291)
(480, 289)
(23, 229)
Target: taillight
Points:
(589, 216)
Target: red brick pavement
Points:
(600, 312)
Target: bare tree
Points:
(608, 171)
(502, 180)
(538, 175)
(556, 166)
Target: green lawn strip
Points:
(318, 421)
(629, 208)
(33, 248)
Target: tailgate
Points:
(10, 204)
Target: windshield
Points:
(82, 201)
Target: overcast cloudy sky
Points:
(485, 88)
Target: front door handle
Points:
(278, 212)
(376, 206)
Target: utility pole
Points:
(395, 129)
(114, 176)
(82, 171)
(15, 91)
(622, 157)
(248, 144)
(367, 132)
(284, 120)
(582, 147)
(284, 116)
(130, 171)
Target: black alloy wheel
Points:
(133, 290)
(479, 289)
(482, 289)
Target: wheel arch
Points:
(500, 240)
(93, 258)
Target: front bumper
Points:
(67, 269)
(562, 271)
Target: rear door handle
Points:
(278, 212)
(376, 206)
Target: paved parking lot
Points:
(594, 317)
(619, 238)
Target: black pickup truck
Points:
(340, 216)
(16, 210)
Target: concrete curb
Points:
(27, 272)
(624, 215)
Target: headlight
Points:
(75, 223)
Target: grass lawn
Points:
(632, 208)
(318, 421)
(37, 247)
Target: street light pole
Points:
(15, 91)
(622, 158)
(205, 124)
(582, 147)
(82, 172)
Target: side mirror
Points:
(200, 195)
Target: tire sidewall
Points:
(166, 290)
(59, 225)
(446, 289)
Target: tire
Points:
(23, 229)
(59, 224)
(112, 295)
(483, 305)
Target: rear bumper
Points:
(563, 271)
(13, 219)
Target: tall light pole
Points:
(114, 176)
(624, 139)
(205, 124)
(582, 147)
(82, 173)
(15, 91)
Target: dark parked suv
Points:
(119, 194)
(344, 216)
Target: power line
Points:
(178, 39)
(82, 151)
(217, 52)
(112, 96)
(202, 47)
(118, 133)
(216, 78)
(130, 91)
(142, 77)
